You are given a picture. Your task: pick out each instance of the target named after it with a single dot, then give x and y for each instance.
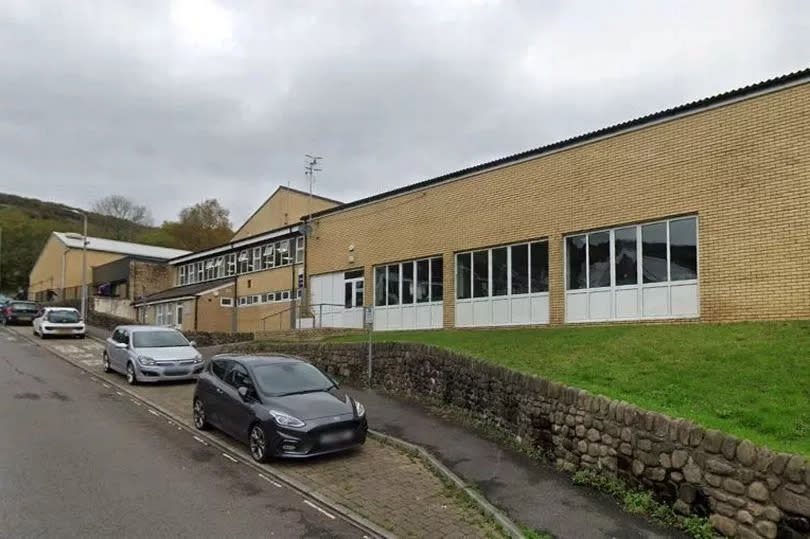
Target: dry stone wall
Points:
(746, 490)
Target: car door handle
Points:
(219, 390)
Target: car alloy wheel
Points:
(199, 415)
(131, 379)
(106, 362)
(258, 444)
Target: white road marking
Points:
(227, 456)
(152, 411)
(119, 393)
(105, 385)
(270, 480)
(200, 440)
(309, 503)
(136, 403)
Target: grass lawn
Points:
(748, 379)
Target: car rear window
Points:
(24, 306)
(158, 339)
(63, 317)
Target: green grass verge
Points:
(748, 379)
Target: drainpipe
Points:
(62, 294)
(196, 311)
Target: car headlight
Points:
(198, 358)
(143, 360)
(361, 410)
(286, 420)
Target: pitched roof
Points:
(285, 188)
(186, 290)
(797, 77)
(74, 241)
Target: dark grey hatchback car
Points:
(279, 405)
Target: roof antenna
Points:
(311, 168)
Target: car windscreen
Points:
(277, 379)
(158, 339)
(63, 317)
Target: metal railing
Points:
(318, 319)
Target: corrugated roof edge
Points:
(717, 99)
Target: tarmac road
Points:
(79, 460)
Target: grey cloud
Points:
(168, 105)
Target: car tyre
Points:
(105, 361)
(258, 443)
(200, 419)
(132, 378)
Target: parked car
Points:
(16, 312)
(280, 406)
(151, 354)
(59, 322)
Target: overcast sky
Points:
(171, 102)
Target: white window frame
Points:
(299, 249)
(285, 295)
(489, 250)
(640, 284)
(200, 271)
(231, 266)
(219, 267)
(181, 275)
(257, 259)
(400, 264)
(243, 261)
(268, 255)
(225, 302)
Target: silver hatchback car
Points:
(151, 354)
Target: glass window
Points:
(231, 269)
(277, 379)
(422, 281)
(520, 269)
(358, 293)
(480, 274)
(393, 284)
(285, 295)
(243, 261)
(284, 249)
(599, 259)
(624, 247)
(239, 377)
(500, 277)
(463, 266)
(654, 252)
(683, 249)
(299, 250)
(575, 253)
(379, 286)
(348, 294)
(436, 279)
(257, 258)
(220, 265)
(407, 282)
(354, 274)
(158, 339)
(278, 254)
(200, 276)
(539, 273)
(219, 367)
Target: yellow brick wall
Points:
(744, 168)
(284, 207)
(47, 271)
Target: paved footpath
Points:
(382, 483)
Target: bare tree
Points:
(125, 213)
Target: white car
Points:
(60, 322)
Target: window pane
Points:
(575, 252)
(277, 251)
(500, 285)
(379, 286)
(407, 282)
(347, 295)
(436, 279)
(599, 259)
(481, 274)
(358, 294)
(463, 276)
(654, 252)
(683, 249)
(353, 274)
(422, 284)
(540, 267)
(393, 284)
(520, 269)
(624, 248)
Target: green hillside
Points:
(26, 224)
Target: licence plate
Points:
(62, 330)
(175, 372)
(336, 437)
(24, 318)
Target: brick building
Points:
(697, 212)
(260, 271)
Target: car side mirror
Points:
(121, 345)
(244, 392)
(192, 344)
